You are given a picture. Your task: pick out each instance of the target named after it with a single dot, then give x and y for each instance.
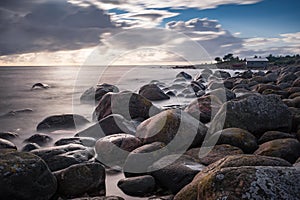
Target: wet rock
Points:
(223, 94)
(262, 87)
(204, 108)
(172, 125)
(217, 152)
(184, 75)
(5, 144)
(288, 149)
(296, 83)
(281, 93)
(140, 186)
(297, 163)
(292, 90)
(221, 74)
(273, 135)
(40, 139)
(290, 77)
(145, 155)
(171, 93)
(113, 150)
(294, 95)
(247, 74)
(100, 198)
(236, 137)
(30, 146)
(25, 176)
(241, 86)
(261, 79)
(129, 105)
(295, 102)
(215, 85)
(176, 175)
(197, 87)
(153, 93)
(85, 141)
(166, 197)
(251, 183)
(189, 192)
(96, 93)
(256, 114)
(60, 122)
(8, 135)
(40, 86)
(61, 157)
(81, 179)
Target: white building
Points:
(257, 62)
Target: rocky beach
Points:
(201, 134)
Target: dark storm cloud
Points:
(27, 26)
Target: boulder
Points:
(295, 102)
(30, 146)
(129, 105)
(204, 108)
(184, 75)
(223, 94)
(8, 135)
(217, 152)
(109, 125)
(25, 176)
(113, 150)
(176, 175)
(221, 74)
(61, 157)
(40, 139)
(251, 183)
(262, 87)
(296, 82)
(140, 186)
(172, 126)
(189, 192)
(273, 135)
(61, 122)
(81, 179)
(236, 137)
(153, 93)
(96, 93)
(5, 144)
(85, 141)
(255, 113)
(289, 77)
(288, 149)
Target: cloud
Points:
(50, 26)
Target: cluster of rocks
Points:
(237, 139)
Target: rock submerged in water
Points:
(25, 176)
(128, 104)
(78, 180)
(153, 93)
(61, 122)
(255, 113)
(94, 94)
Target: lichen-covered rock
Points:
(172, 125)
(204, 108)
(80, 179)
(237, 137)
(5, 144)
(288, 149)
(251, 183)
(113, 149)
(40, 139)
(61, 157)
(273, 135)
(129, 105)
(109, 125)
(175, 175)
(61, 122)
(189, 192)
(140, 186)
(25, 176)
(255, 113)
(96, 93)
(217, 152)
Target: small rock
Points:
(40, 139)
(80, 179)
(184, 75)
(140, 186)
(8, 135)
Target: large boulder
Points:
(204, 108)
(153, 92)
(96, 93)
(237, 137)
(140, 186)
(61, 157)
(251, 183)
(129, 105)
(255, 113)
(288, 149)
(176, 175)
(172, 126)
(113, 149)
(61, 122)
(25, 176)
(80, 179)
(189, 192)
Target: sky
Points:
(76, 32)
